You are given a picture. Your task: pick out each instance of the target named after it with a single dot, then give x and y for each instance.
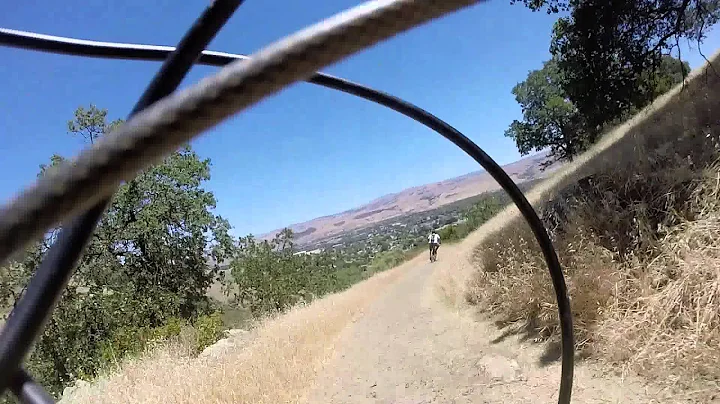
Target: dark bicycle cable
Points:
(50, 279)
(218, 59)
(75, 47)
(151, 135)
(28, 390)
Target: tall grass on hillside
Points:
(276, 362)
(637, 230)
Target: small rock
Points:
(69, 391)
(216, 350)
(500, 368)
(232, 333)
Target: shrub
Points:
(209, 329)
(270, 277)
(474, 217)
(636, 235)
(144, 272)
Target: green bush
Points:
(209, 329)
(386, 260)
(451, 233)
(474, 217)
(270, 277)
(171, 328)
(349, 275)
(124, 341)
(144, 273)
(132, 340)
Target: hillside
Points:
(413, 200)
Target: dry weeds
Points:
(667, 322)
(640, 246)
(656, 311)
(276, 363)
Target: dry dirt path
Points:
(409, 347)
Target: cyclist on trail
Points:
(433, 243)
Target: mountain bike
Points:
(433, 252)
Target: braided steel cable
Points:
(28, 319)
(169, 123)
(144, 52)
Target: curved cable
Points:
(145, 52)
(44, 289)
(517, 196)
(27, 390)
(70, 46)
(153, 133)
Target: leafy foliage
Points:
(388, 259)
(160, 230)
(552, 122)
(550, 119)
(271, 277)
(610, 59)
(474, 217)
(145, 270)
(655, 21)
(611, 53)
(91, 123)
(209, 329)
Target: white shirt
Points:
(434, 238)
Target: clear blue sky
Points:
(308, 151)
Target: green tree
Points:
(550, 120)
(271, 277)
(670, 72)
(162, 230)
(611, 55)
(91, 123)
(658, 22)
(600, 74)
(146, 265)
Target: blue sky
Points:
(307, 151)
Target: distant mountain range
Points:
(415, 199)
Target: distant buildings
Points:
(311, 252)
(359, 246)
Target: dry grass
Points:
(276, 363)
(639, 239)
(653, 305)
(667, 321)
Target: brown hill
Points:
(415, 199)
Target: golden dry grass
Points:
(276, 363)
(667, 322)
(639, 247)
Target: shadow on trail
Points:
(529, 331)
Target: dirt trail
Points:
(409, 347)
